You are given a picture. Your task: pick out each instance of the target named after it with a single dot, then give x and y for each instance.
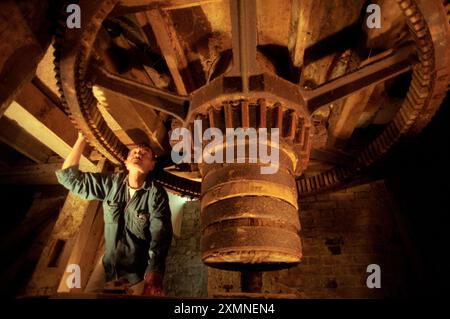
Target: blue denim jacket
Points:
(138, 231)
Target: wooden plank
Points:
(39, 174)
(136, 125)
(345, 117)
(133, 125)
(41, 107)
(38, 116)
(25, 38)
(304, 28)
(170, 47)
(269, 32)
(84, 250)
(64, 241)
(153, 99)
(16, 137)
(313, 43)
(387, 67)
(133, 6)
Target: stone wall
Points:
(342, 233)
(186, 275)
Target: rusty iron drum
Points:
(250, 220)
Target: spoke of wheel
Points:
(157, 99)
(383, 69)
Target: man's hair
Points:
(144, 145)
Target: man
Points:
(137, 216)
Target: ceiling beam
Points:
(37, 115)
(305, 27)
(25, 39)
(170, 46)
(316, 47)
(16, 137)
(133, 6)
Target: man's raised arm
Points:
(86, 185)
(76, 152)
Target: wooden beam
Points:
(134, 6)
(64, 243)
(378, 96)
(305, 27)
(134, 126)
(36, 114)
(39, 174)
(386, 67)
(149, 97)
(170, 46)
(24, 40)
(84, 249)
(316, 46)
(16, 137)
(345, 117)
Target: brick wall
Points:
(342, 233)
(186, 275)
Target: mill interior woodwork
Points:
(342, 95)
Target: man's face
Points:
(140, 159)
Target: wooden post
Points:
(84, 250)
(74, 239)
